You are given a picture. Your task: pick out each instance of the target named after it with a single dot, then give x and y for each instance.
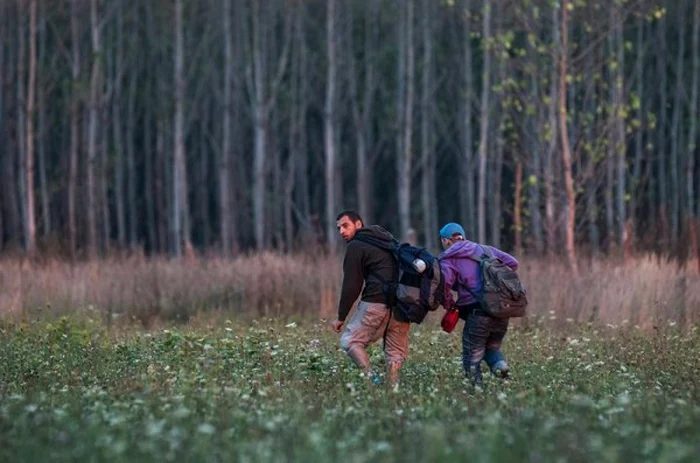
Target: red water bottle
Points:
(450, 320)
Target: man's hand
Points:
(338, 325)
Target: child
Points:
(483, 335)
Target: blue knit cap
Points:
(451, 229)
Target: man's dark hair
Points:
(352, 215)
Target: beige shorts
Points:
(369, 324)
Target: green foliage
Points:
(271, 391)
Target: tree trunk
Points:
(609, 196)
(180, 232)
(694, 115)
(292, 142)
(29, 155)
(75, 99)
(484, 130)
(263, 95)
(153, 150)
(467, 200)
(517, 219)
(131, 179)
(610, 159)
(406, 157)
(329, 118)
(662, 153)
(276, 210)
(620, 141)
(103, 187)
(636, 189)
(535, 185)
(225, 156)
(676, 186)
(11, 228)
(260, 129)
(259, 176)
(117, 133)
(302, 193)
(494, 215)
(19, 170)
(149, 188)
(204, 181)
(162, 202)
(548, 168)
(362, 107)
(566, 152)
(496, 195)
(428, 166)
(298, 110)
(42, 159)
(591, 180)
(93, 130)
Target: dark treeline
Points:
(171, 125)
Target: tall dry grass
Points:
(644, 292)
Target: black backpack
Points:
(414, 291)
(504, 295)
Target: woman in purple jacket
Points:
(483, 335)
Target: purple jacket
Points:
(460, 272)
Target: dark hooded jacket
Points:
(365, 264)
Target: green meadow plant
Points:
(72, 389)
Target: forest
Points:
(552, 127)
(170, 176)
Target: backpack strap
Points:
(385, 284)
(487, 253)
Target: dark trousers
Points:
(482, 338)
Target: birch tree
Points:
(428, 167)
(94, 109)
(550, 131)
(225, 194)
(484, 117)
(117, 134)
(18, 170)
(405, 155)
(362, 104)
(75, 111)
(180, 229)
(262, 91)
(566, 151)
(30, 110)
(467, 164)
(329, 119)
(43, 162)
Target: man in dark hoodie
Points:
(483, 334)
(367, 265)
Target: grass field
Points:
(70, 389)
